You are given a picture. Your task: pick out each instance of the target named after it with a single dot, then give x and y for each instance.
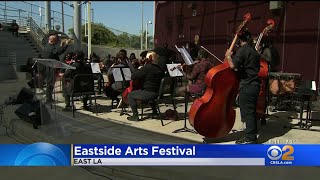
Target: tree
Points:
(101, 35)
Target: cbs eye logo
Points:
(42, 154)
(276, 153)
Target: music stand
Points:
(121, 73)
(188, 60)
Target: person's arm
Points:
(62, 48)
(236, 61)
(140, 74)
(194, 74)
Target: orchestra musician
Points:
(197, 76)
(81, 68)
(269, 53)
(96, 59)
(247, 63)
(151, 75)
(113, 89)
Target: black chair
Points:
(304, 95)
(167, 83)
(83, 85)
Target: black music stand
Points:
(188, 60)
(123, 79)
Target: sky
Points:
(121, 15)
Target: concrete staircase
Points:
(14, 52)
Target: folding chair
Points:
(83, 84)
(165, 82)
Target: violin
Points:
(213, 115)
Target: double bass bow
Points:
(213, 115)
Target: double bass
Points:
(263, 74)
(213, 115)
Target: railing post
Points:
(31, 10)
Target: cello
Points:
(263, 74)
(213, 115)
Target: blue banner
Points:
(37, 154)
(273, 155)
(45, 154)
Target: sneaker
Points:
(133, 118)
(246, 140)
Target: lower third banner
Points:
(45, 154)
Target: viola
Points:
(213, 115)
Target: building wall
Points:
(296, 33)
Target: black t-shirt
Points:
(247, 62)
(151, 75)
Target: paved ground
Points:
(109, 127)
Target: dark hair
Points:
(94, 55)
(78, 56)
(203, 54)
(143, 54)
(266, 42)
(123, 51)
(245, 36)
(165, 45)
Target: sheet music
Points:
(95, 68)
(185, 55)
(313, 86)
(118, 76)
(173, 70)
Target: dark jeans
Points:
(66, 90)
(115, 89)
(49, 76)
(15, 33)
(248, 102)
(99, 77)
(144, 96)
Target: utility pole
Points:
(77, 24)
(141, 25)
(62, 16)
(89, 28)
(48, 14)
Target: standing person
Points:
(151, 75)
(52, 51)
(247, 63)
(14, 28)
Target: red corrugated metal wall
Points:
(296, 35)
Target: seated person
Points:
(197, 75)
(151, 75)
(114, 89)
(96, 59)
(81, 68)
(68, 58)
